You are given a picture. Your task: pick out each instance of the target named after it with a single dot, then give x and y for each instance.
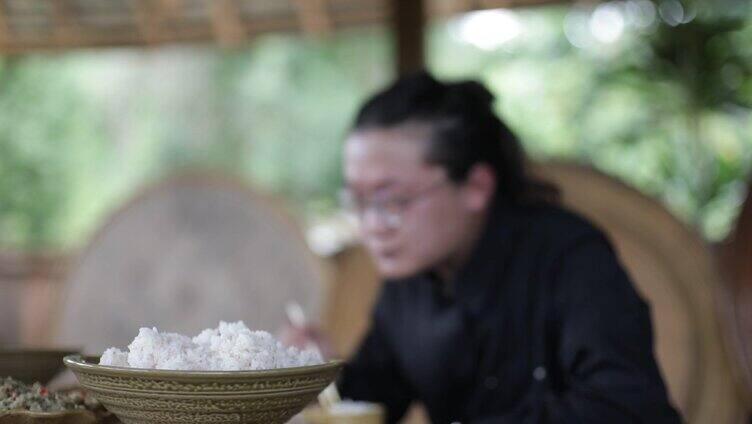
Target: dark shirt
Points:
(542, 325)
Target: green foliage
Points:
(43, 137)
(82, 131)
(664, 108)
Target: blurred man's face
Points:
(412, 217)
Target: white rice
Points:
(229, 347)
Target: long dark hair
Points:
(465, 131)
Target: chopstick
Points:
(297, 318)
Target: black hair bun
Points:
(469, 96)
(421, 96)
(466, 131)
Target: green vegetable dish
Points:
(15, 395)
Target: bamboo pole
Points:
(408, 22)
(313, 17)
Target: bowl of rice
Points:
(228, 374)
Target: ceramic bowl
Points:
(157, 396)
(62, 417)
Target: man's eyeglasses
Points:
(389, 210)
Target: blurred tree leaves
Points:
(696, 79)
(663, 107)
(41, 142)
(82, 131)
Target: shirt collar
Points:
(473, 284)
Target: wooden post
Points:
(147, 19)
(313, 17)
(409, 18)
(227, 23)
(66, 33)
(31, 286)
(4, 29)
(736, 261)
(153, 20)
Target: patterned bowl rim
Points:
(78, 363)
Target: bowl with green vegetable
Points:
(22, 403)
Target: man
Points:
(499, 306)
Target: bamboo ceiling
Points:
(27, 25)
